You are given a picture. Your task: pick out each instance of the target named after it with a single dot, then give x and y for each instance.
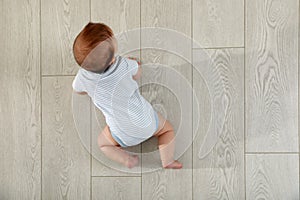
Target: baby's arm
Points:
(139, 72)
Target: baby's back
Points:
(117, 95)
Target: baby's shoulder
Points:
(87, 75)
(123, 62)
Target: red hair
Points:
(87, 40)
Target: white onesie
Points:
(130, 117)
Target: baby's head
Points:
(94, 47)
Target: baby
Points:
(110, 81)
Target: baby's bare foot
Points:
(174, 165)
(132, 161)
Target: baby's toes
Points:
(174, 165)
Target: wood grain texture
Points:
(272, 176)
(66, 163)
(20, 107)
(220, 175)
(125, 188)
(218, 23)
(167, 184)
(61, 23)
(174, 15)
(271, 76)
(122, 16)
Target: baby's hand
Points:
(132, 58)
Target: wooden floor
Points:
(253, 46)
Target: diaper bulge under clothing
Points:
(116, 137)
(130, 117)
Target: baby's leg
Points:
(113, 150)
(166, 145)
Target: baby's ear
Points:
(81, 93)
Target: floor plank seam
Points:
(91, 184)
(192, 80)
(245, 194)
(298, 104)
(271, 152)
(57, 75)
(115, 176)
(91, 170)
(141, 149)
(237, 47)
(41, 89)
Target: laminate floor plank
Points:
(126, 188)
(66, 163)
(61, 21)
(272, 176)
(20, 103)
(271, 76)
(218, 23)
(218, 173)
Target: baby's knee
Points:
(167, 129)
(168, 126)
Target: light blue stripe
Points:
(118, 139)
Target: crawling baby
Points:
(111, 82)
